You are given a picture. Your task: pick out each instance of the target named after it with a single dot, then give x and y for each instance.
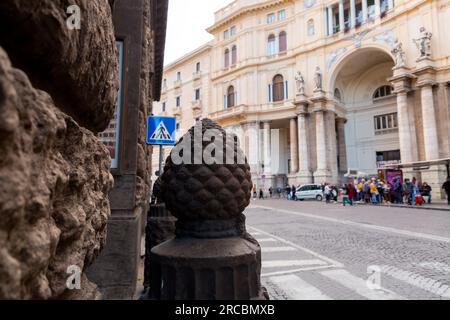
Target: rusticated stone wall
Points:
(57, 90)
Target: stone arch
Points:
(343, 61)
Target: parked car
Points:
(309, 191)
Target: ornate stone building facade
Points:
(315, 88)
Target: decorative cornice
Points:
(245, 10)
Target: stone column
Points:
(341, 15)
(390, 4)
(364, 10)
(332, 140)
(244, 139)
(377, 8)
(321, 146)
(352, 13)
(404, 131)
(402, 84)
(342, 147)
(430, 132)
(303, 149)
(294, 145)
(267, 148)
(330, 20)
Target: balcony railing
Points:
(177, 84)
(197, 75)
(176, 111)
(197, 105)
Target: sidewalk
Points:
(440, 205)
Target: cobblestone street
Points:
(311, 250)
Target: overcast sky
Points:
(187, 22)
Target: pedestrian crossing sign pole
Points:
(161, 131)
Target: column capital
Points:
(301, 109)
(341, 120)
(402, 83)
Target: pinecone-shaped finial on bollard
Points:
(208, 200)
(207, 185)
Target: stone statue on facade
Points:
(318, 80)
(300, 83)
(423, 43)
(399, 55)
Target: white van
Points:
(309, 191)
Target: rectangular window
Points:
(226, 34)
(178, 76)
(197, 67)
(163, 107)
(197, 94)
(177, 101)
(271, 47)
(281, 15)
(271, 18)
(286, 90)
(386, 123)
(232, 31)
(384, 156)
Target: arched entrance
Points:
(360, 86)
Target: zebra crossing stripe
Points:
(437, 266)
(418, 281)
(277, 249)
(291, 263)
(298, 289)
(315, 254)
(266, 240)
(359, 285)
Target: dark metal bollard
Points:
(160, 228)
(212, 256)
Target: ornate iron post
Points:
(212, 256)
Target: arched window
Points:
(271, 45)
(231, 97)
(227, 58)
(383, 91)
(282, 41)
(310, 27)
(337, 94)
(278, 88)
(233, 55)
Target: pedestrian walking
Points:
(293, 190)
(327, 192)
(288, 192)
(270, 192)
(261, 194)
(426, 191)
(350, 194)
(446, 187)
(374, 192)
(334, 193)
(254, 192)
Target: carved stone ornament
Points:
(212, 256)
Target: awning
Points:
(421, 165)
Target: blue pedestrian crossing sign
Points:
(161, 130)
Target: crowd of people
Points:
(371, 190)
(378, 191)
